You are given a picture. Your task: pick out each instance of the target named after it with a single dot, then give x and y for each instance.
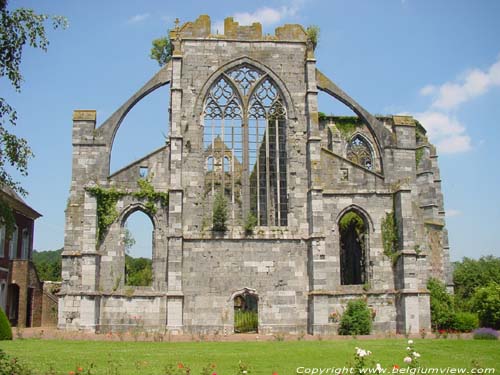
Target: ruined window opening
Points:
(138, 241)
(353, 248)
(246, 315)
(245, 133)
(210, 164)
(359, 152)
(143, 172)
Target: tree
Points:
(486, 301)
(442, 306)
(161, 51)
(470, 274)
(17, 28)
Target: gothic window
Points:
(359, 152)
(245, 134)
(353, 248)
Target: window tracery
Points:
(359, 152)
(246, 139)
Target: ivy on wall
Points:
(390, 236)
(107, 198)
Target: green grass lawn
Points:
(263, 357)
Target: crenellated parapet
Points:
(202, 29)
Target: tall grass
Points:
(245, 321)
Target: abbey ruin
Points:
(320, 209)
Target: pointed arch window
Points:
(245, 134)
(360, 152)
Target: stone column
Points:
(317, 261)
(175, 240)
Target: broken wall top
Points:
(201, 28)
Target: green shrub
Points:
(220, 215)
(442, 306)
(357, 319)
(465, 321)
(486, 302)
(5, 328)
(10, 366)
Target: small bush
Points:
(220, 214)
(485, 334)
(5, 328)
(465, 321)
(9, 366)
(357, 319)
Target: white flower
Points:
(410, 342)
(416, 355)
(244, 371)
(408, 348)
(407, 360)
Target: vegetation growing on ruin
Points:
(313, 35)
(106, 207)
(219, 213)
(107, 198)
(347, 124)
(148, 193)
(419, 154)
(390, 236)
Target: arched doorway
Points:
(246, 311)
(353, 248)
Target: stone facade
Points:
(300, 176)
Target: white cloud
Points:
(445, 131)
(453, 213)
(474, 83)
(427, 90)
(138, 18)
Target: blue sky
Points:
(437, 60)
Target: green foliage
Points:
(250, 223)
(18, 28)
(106, 208)
(470, 274)
(442, 306)
(147, 192)
(161, 50)
(245, 321)
(390, 236)
(347, 125)
(219, 213)
(7, 218)
(465, 321)
(313, 35)
(11, 366)
(352, 219)
(486, 302)
(5, 328)
(357, 319)
(138, 271)
(321, 116)
(419, 154)
(107, 199)
(48, 264)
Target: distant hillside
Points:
(48, 264)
